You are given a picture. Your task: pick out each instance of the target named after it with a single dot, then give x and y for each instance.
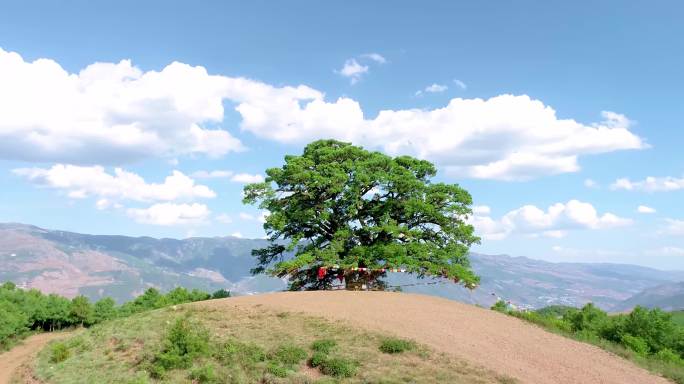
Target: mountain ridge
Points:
(72, 263)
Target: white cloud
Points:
(244, 178)
(224, 218)
(645, 209)
(247, 178)
(353, 70)
(261, 217)
(650, 184)
(589, 183)
(481, 210)
(167, 214)
(460, 84)
(236, 234)
(217, 174)
(433, 88)
(82, 182)
(506, 137)
(378, 58)
(553, 222)
(673, 227)
(108, 112)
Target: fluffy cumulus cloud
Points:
(506, 137)
(170, 214)
(649, 184)
(244, 178)
(111, 113)
(645, 209)
(433, 88)
(82, 182)
(108, 112)
(555, 221)
(247, 178)
(353, 70)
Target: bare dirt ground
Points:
(479, 336)
(11, 360)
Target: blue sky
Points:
(561, 119)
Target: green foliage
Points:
(650, 337)
(104, 309)
(220, 294)
(339, 204)
(669, 356)
(324, 345)
(185, 342)
(317, 359)
(500, 306)
(394, 345)
(81, 311)
(59, 352)
(277, 370)
(289, 354)
(338, 367)
(555, 311)
(245, 355)
(204, 374)
(636, 344)
(24, 311)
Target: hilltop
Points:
(452, 342)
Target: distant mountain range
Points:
(668, 296)
(122, 267)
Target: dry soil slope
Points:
(24, 352)
(480, 336)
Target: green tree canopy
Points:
(339, 204)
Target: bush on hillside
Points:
(59, 352)
(185, 342)
(393, 345)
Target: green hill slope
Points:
(195, 344)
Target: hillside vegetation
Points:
(244, 345)
(29, 311)
(652, 338)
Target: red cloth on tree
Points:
(321, 273)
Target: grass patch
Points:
(235, 345)
(338, 367)
(324, 345)
(289, 354)
(394, 345)
(59, 352)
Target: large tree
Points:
(340, 205)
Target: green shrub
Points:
(338, 367)
(323, 345)
(669, 356)
(59, 352)
(392, 345)
(636, 344)
(500, 306)
(289, 354)
(185, 342)
(277, 370)
(204, 374)
(235, 352)
(317, 359)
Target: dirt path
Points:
(15, 357)
(482, 337)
